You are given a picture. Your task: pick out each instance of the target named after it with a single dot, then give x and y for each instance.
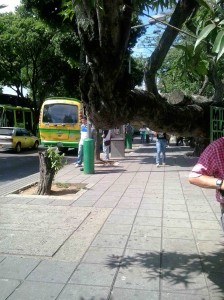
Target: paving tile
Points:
(130, 294)
(177, 214)
(93, 274)
(17, 267)
(116, 229)
(52, 271)
(177, 233)
(149, 213)
(2, 258)
(180, 223)
(108, 240)
(174, 207)
(205, 224)
(144, 221)
(185, 283)
(184, 262)
(119, 219)
(36, 291)
(215, 284)
(102, 203)
(199, 208)
(7, 286)
(202, 216)
(153, 231)
(207, 235)
(124, 212)
(144, 243)
(83, 292)
(106, 256)
(179, 246)
(137, 278)
(172, 296)
(141, 258)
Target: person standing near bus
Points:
(84, 135)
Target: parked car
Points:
(15, 138)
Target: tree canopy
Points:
(104, 29)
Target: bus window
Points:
(9, 117)
(28, 120)
(19, 116)
(60, 113)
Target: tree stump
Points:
(46, 174)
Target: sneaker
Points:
(164, 164)
(77, 166)
(157, 165)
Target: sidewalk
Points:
(136, 232)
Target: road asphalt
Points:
(135, 232)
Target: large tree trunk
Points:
(104, 84)
(46, 174)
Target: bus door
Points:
(19, 119)
(28, 120)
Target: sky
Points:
(11, 4)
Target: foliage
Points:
(56, 159)
(211, 29)
(28, 59)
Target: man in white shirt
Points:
(84, 135)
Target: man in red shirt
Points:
(209, 171)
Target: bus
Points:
(16, 116)
(59, 123)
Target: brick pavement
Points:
(136, 232)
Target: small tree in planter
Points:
(51, 161)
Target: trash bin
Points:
(117, 147)
(88, 156)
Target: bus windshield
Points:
(60, 113)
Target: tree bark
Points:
(46, 174)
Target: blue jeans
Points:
(106, 151)
(80, 155)
(161, 150)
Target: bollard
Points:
(88, 156)
(128, 141)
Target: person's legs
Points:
(222, 215)
(158, 151)
(106, 151)
(80, 155)
(163, 151)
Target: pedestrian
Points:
(147, 135)
(142, 131)
(161, 143)
(128, 136)
(209, 171)
(83, 136)
(106, 143)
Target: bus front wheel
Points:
(18, 148)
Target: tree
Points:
(37, 57)
(104, 29)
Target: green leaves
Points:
(204, 33)
(218, 46)
(56, 159)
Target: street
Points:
(15, 166)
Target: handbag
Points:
(107, 143)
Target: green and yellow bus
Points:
(59, 123)
(16, 116)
